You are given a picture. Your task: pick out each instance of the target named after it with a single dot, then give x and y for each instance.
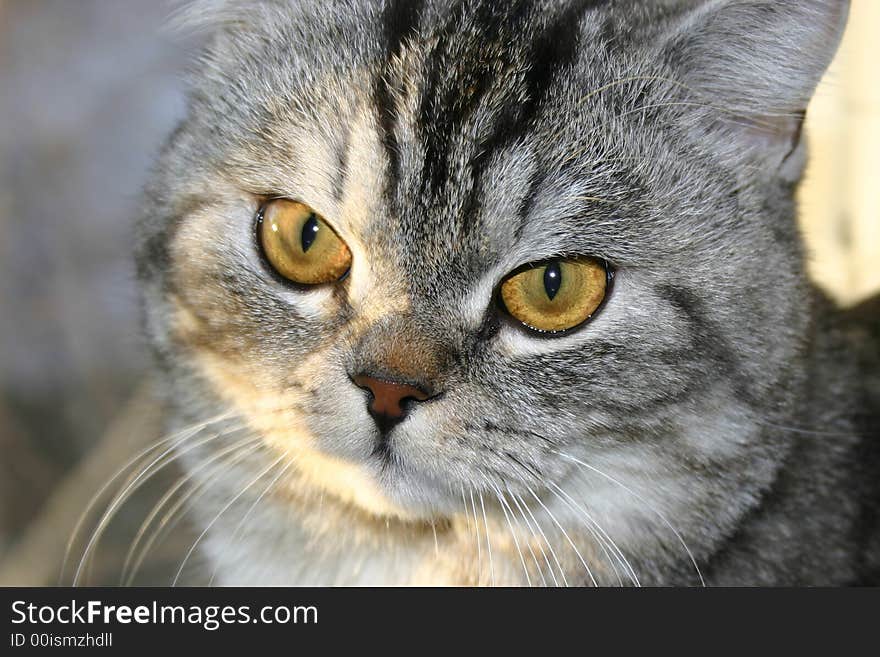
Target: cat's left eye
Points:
(300, 245)
(556, 295)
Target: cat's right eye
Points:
(300, 245)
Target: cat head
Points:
(543, 251)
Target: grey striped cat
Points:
(472, 293)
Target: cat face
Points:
(440, 150)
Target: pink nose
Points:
(388, 395)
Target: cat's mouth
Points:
(382, 484)
(348, 482)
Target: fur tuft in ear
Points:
(757, 63)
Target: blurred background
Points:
(88, 91)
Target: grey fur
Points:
(716, 384)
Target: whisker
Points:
(488, 541)
(513, 536)
(465, 507)
(517, 501)
(591, 526)
(530, 534)
(536, 475)
(182, 481)
(643, 501)
(809, 432)
(479, 548)
(436, 544)
(244, 519)
(134, 483)
(221, 512)
(179, 436)
(178, 510)
(567, 537)
(143, 475)
(602, 537)
(538, 566)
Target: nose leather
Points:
(388, 395)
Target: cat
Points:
(459, 292)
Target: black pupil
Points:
(309, 232)
(552, 279)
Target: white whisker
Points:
(513, 536)
(643, 501)
(244, 519)
(436, 544)
(178, 510)
(574, 506)
(479, 547)
(178, 437)
(144, 475)
(588, 524)
(157, 508)
(567, 537)
(520, 505)
(220, 513)
(488, 541)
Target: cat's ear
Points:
(755, 64)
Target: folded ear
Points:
(757, 64)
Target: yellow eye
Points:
(556, 295)
(300, 245)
